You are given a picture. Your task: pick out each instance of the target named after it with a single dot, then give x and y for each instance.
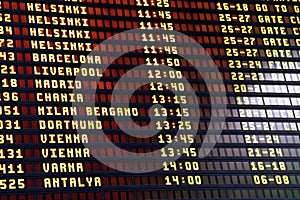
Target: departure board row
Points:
(149, 99)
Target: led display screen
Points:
(149, 99)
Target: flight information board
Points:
(149, 99)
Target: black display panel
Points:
(149, 99)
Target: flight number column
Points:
(10, 157)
